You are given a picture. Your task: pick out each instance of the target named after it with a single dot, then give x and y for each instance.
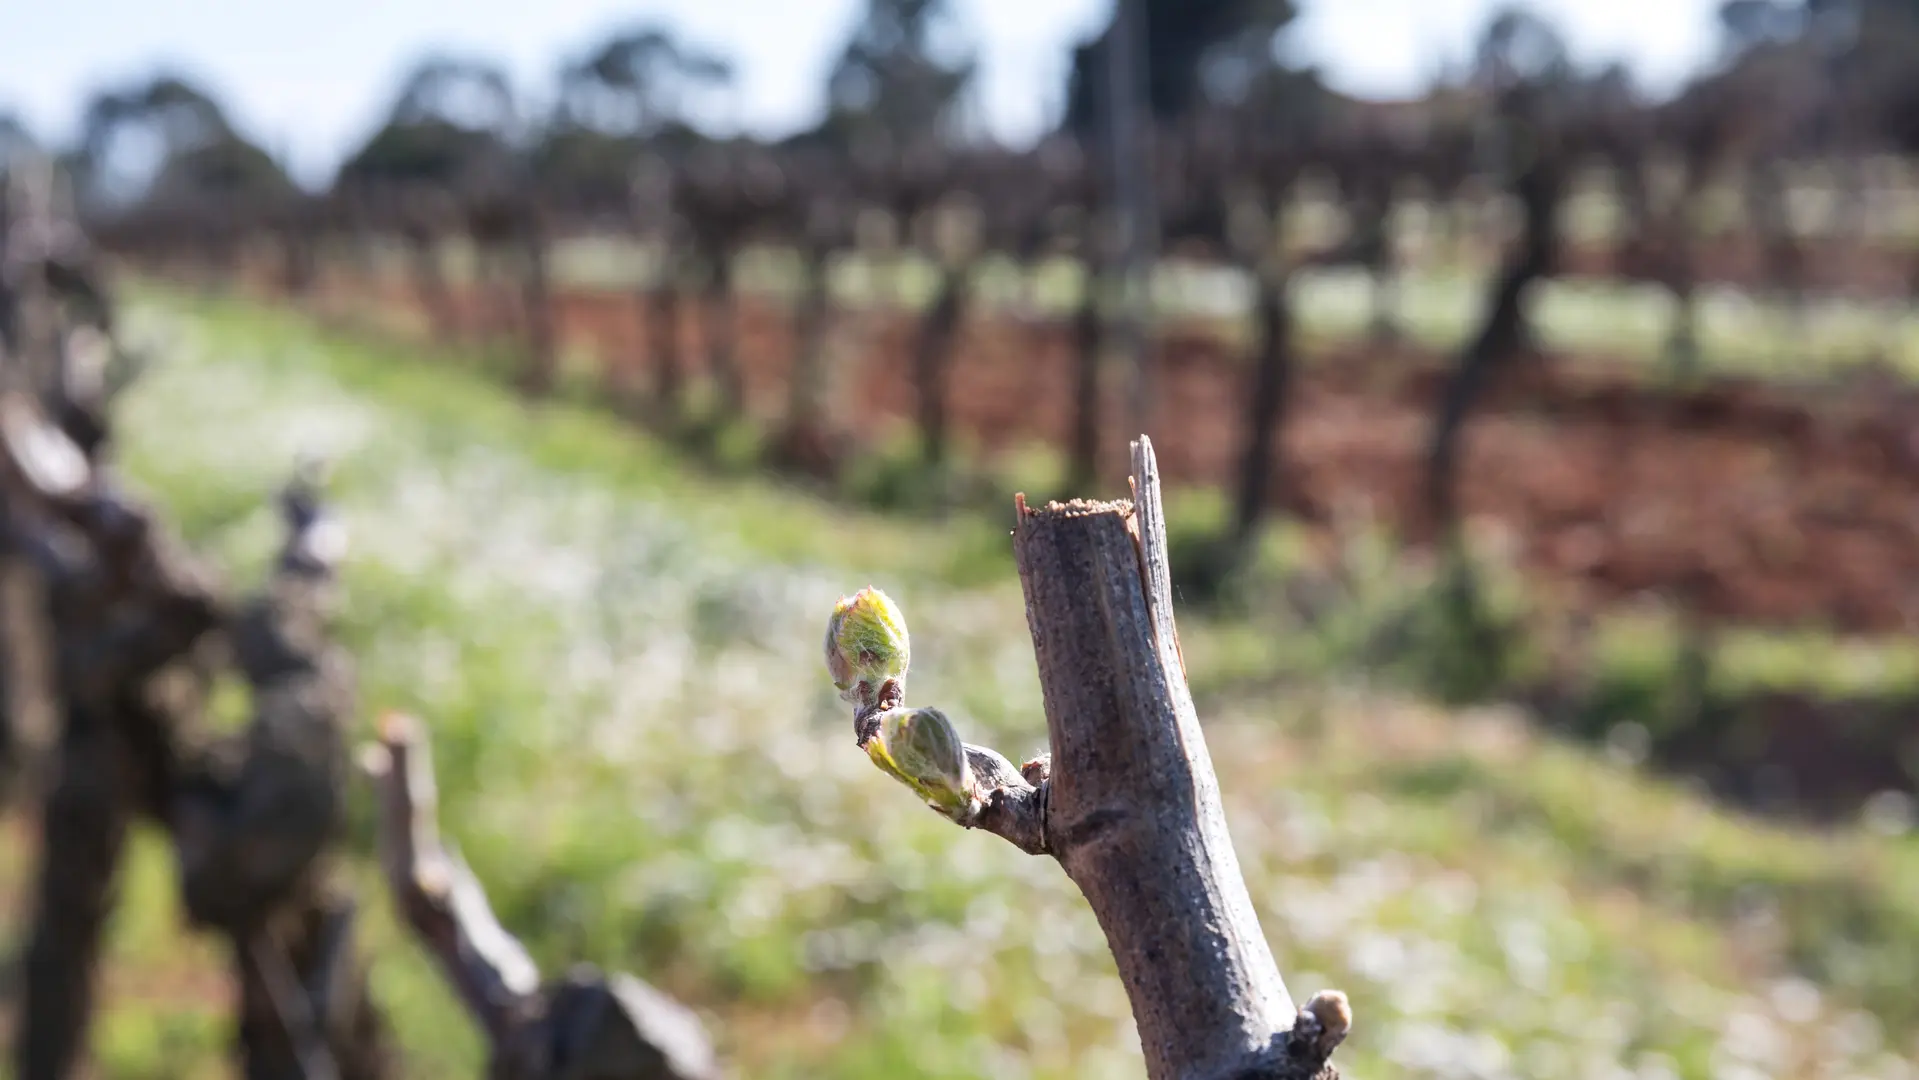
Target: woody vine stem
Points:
(1126, 799)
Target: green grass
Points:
(1729, 702)
(617, 655)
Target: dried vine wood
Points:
(122, 620)
(256, 815)
(584, 1025)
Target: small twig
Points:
(438, 894)
(1149, 532)
(1004, 800)
(581, 1024)
(1012, 807)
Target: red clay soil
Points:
(1761, 504)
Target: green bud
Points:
(921, 749)
(866, 645)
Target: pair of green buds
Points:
(867, 653)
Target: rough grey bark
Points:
(54, 312)
(83, 818)
(122, 611)
(111, 603)
(121, 605)
(30, 730)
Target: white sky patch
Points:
(309, 81)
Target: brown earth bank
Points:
(1761, 504)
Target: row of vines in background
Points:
(892, 172)
(1780, 171)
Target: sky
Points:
(310, 80)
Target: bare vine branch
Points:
(1127, 800)
(580, 1026)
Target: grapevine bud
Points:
(921, 749)
(1329, 1018)
(866, 645)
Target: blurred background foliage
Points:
(1587, 747)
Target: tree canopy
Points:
(893, 83)
(623, 97)
(167, 138)
(453, 123)
(1198, 52)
